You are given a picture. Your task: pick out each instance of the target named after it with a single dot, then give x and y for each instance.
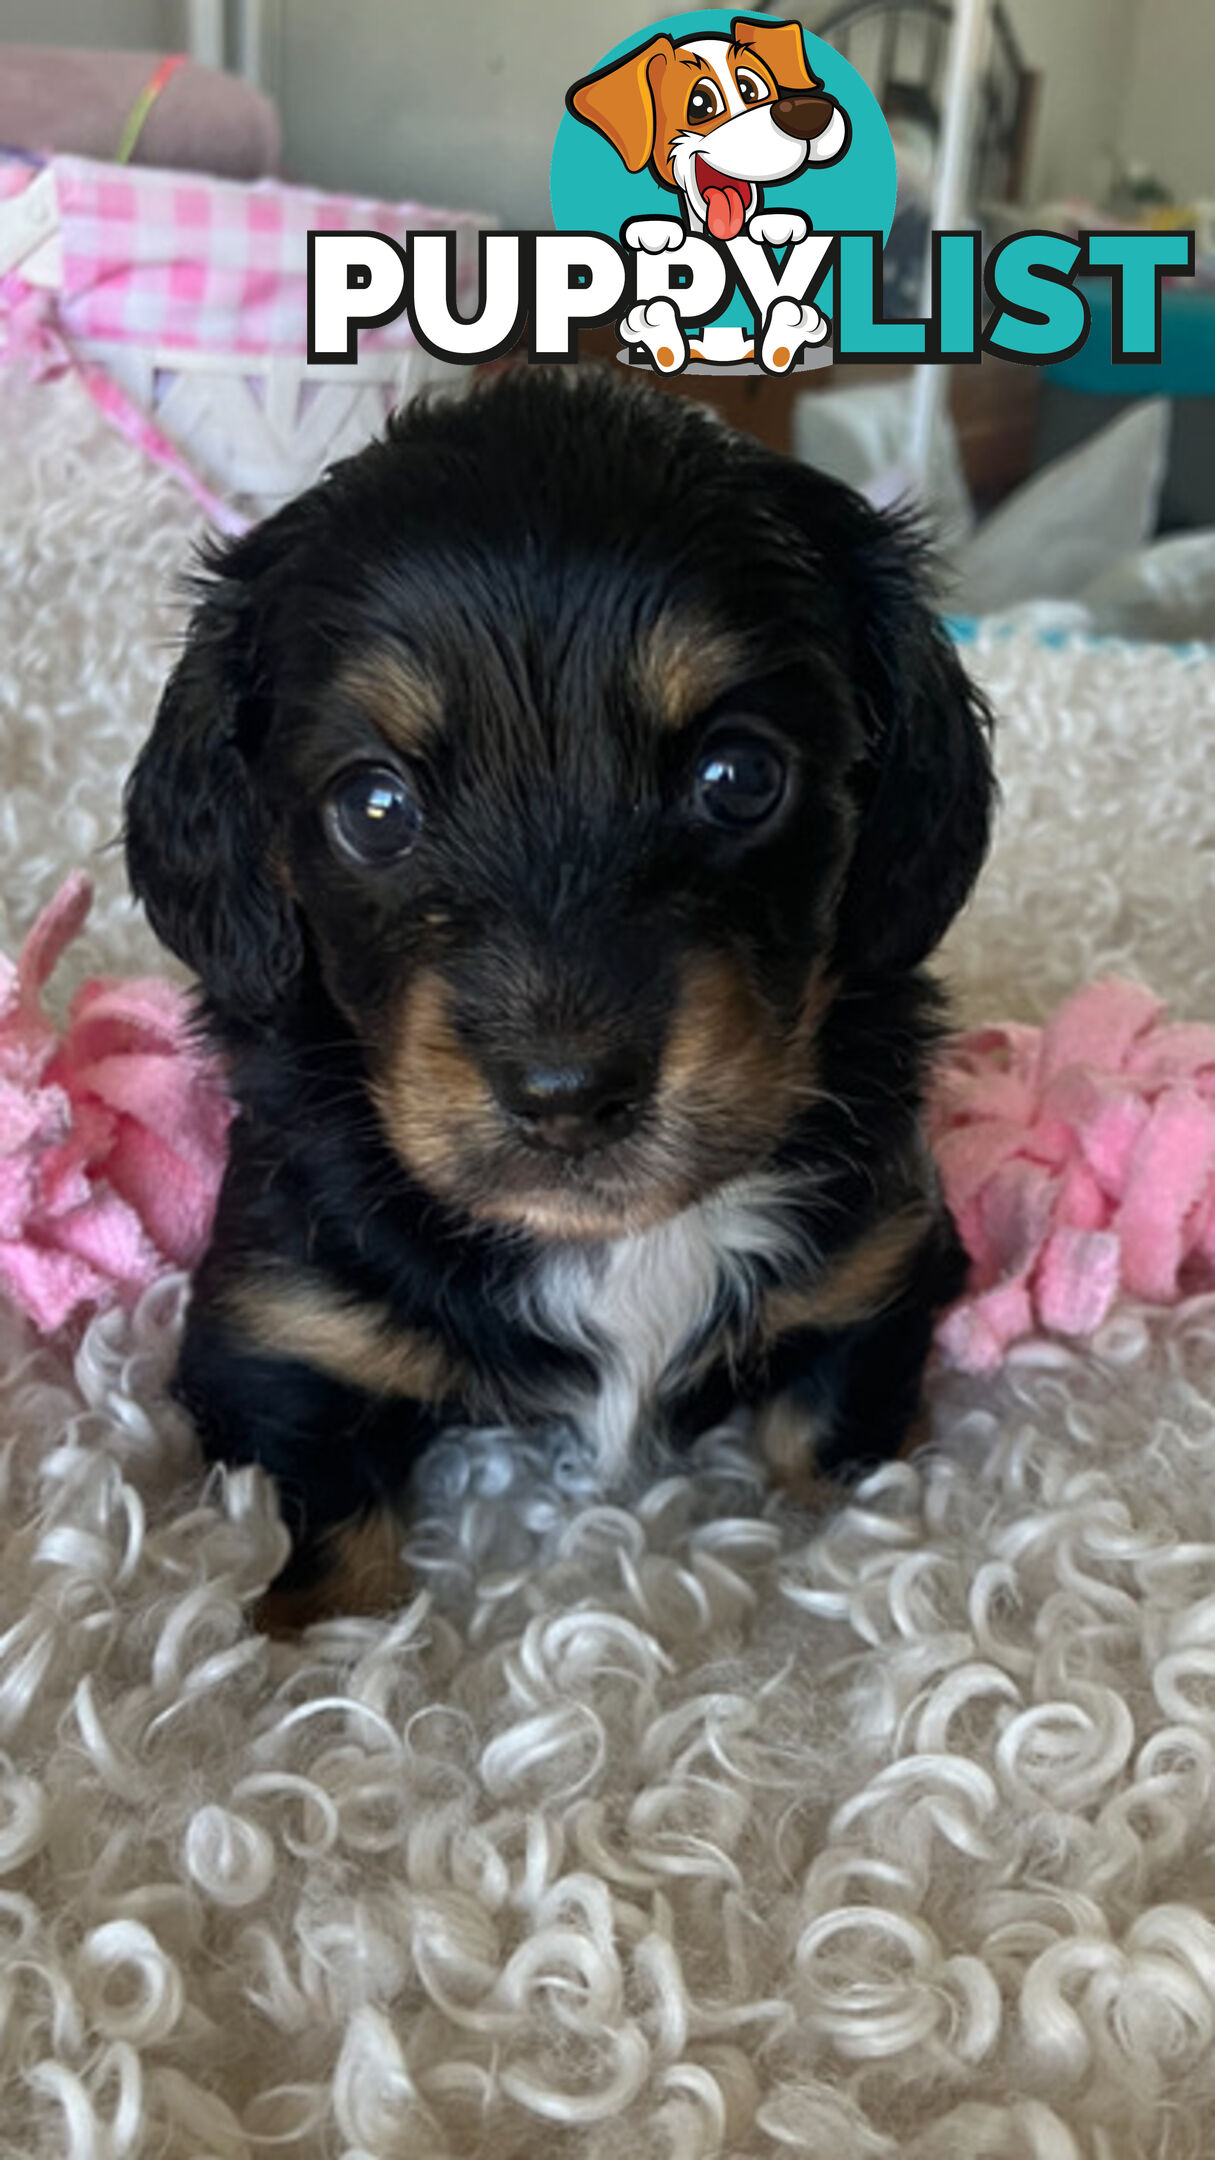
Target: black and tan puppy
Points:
(557, 804)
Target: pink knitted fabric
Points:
(112, 1140)
(1079, 1162)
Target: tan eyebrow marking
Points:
(685, 662)
(397, 695)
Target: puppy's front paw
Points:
(352, 1570)
(790, 325)
(779, 228)
(655, 325)
(654, 235)
(788, 1436)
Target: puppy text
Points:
(659, 282)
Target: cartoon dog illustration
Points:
(717, 119)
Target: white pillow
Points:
(1166, 591)
(1072, 522)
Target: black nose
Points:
(575, 1104)
(803, 115)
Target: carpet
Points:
(665, 1822)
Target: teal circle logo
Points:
(637, 140)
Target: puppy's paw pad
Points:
(779, 228)
(655, 325)
(653, 235)
(790, 325)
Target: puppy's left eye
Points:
(750, 88)
(740, 782)
(371, 814)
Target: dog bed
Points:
(673, 1824)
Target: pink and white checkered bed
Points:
(135, 276)
(184, 259)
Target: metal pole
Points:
(930, 380)
(248, 35)
(205, 31)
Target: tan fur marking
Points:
(685, 663)
(434, 1102)
(725, 1063)
(362, 1573)
(788, 1436)
(856, 1286)
(730, 1082)
(357, 1343)
(552, 1215)
(403, 702)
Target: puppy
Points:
(556, 804)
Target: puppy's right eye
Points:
(705, 102)
(372, 814)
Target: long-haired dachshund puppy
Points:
(557, 804)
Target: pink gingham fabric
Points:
(166, 258)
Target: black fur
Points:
(520, 547)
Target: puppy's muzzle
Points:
(575, 1104)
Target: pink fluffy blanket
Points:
(1078, 1158)
(112, 1134)
(1079, 1161)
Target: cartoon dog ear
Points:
(198, 835)
(923, 787)
(779, 45)
(620, 101)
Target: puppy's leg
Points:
(840, 1400)
(340, 1457)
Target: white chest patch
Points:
(638, 1304)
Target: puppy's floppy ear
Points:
(925, 785)
(197, 833)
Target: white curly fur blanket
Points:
(675, 1826)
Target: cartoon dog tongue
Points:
(726, 201)
(725, 207)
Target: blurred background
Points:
(1084, 492)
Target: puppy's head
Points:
(567, 753)
(716, 117)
